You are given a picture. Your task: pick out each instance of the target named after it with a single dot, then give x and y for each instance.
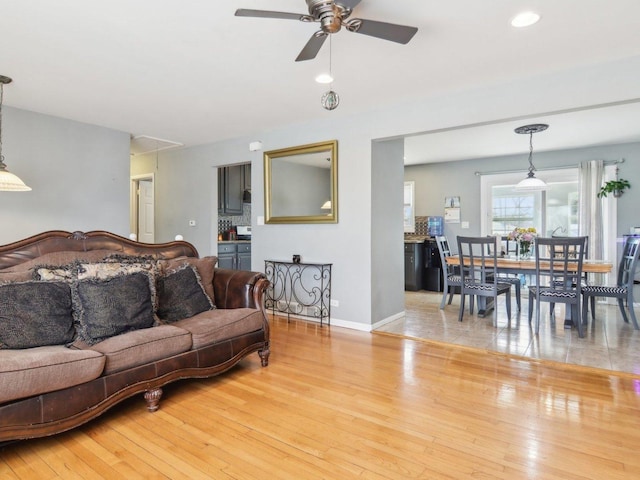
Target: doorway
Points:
(143, 208)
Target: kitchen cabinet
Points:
(413, 265)
(234, 255)
(231, 188)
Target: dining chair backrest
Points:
(628, 262)
(445, 251)
(586, 243)
(477, 260)
(559, 263)
(510, 246)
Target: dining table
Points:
(527, 266)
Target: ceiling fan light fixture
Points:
(324, 78)
(525, 19)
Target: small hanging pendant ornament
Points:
(330, 100)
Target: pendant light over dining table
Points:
(531, 183)
(8, 181)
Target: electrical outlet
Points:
(464, 225)
(335, 303)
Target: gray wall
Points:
(79, 175)
(387, 230)
(186, 179)
(433, 182)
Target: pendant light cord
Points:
(531, 167)
(330, 61)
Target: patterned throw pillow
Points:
(205, 267)
(34, 314)
(54, 273)
(181, 295)
(104, 307)
(105, 270)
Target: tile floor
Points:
(609, 343)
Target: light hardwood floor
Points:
(342, 404)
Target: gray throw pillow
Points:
(181, 295)
(107, 307)
(35, 314)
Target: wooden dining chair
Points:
(623, 290)
(558, 276)
(450, 273)
(479, 274)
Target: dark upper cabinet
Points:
(231, 188)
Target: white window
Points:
(552, 211)
(409, 215)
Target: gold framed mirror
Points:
(301, 184)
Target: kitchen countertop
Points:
(416, 238)
(234, 241)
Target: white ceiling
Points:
(193, 73)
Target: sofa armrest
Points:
(239, 288)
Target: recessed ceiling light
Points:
(324, 78)
(525, 19)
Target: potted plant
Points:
(614, 186)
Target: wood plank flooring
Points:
(342, 404)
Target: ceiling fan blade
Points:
(386, 31)
(247, 12)
(349, 3)
(312, 47)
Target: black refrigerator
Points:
(432, 274)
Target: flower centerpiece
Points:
(524, 237)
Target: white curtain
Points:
(590, 176)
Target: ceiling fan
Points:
(332, 16)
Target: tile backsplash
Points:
(421, 226)
(225, 222)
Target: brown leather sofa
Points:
(139, 361)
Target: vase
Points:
(525, 250)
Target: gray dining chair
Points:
(450, 273)
(479, 274)
(558, 276)
(623, 290)
(585, 276)
(511, 278)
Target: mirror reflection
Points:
(301, 184)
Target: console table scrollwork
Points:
(299, 289)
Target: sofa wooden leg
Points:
(152, 397)
(264, 356)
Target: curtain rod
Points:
(563, 167)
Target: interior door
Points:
(146, 216)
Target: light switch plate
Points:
(464, 225)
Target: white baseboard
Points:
(390, 319)
(336, 322)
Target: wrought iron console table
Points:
(299, 289)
